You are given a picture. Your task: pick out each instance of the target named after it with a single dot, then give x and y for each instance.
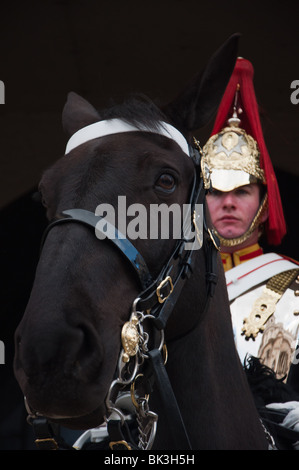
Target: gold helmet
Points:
(233, 157)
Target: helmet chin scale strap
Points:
(253, 226)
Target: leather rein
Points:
(141, 364)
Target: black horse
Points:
(68, 343)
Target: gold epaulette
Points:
(265, 305)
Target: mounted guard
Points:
(245, 203)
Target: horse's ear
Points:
(197, 103)
(78, 113)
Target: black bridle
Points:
(158, 295)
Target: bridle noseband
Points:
(155, 304)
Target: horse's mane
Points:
(138, 110)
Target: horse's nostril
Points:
(42, 352)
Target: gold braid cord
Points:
(265, 305)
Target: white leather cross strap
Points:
(117, 126)
(253, 272)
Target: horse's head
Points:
(68, 343)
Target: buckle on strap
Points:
(47, 435)
(48, 443)
(163, 295)
(120, 445)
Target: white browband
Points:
(117, 126)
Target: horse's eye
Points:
(166, 182)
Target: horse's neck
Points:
(210, 387)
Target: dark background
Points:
(106, 50)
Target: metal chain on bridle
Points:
(134, 354)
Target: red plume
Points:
(250, 122)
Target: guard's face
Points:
(232, 212)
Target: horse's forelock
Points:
(137, 110)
